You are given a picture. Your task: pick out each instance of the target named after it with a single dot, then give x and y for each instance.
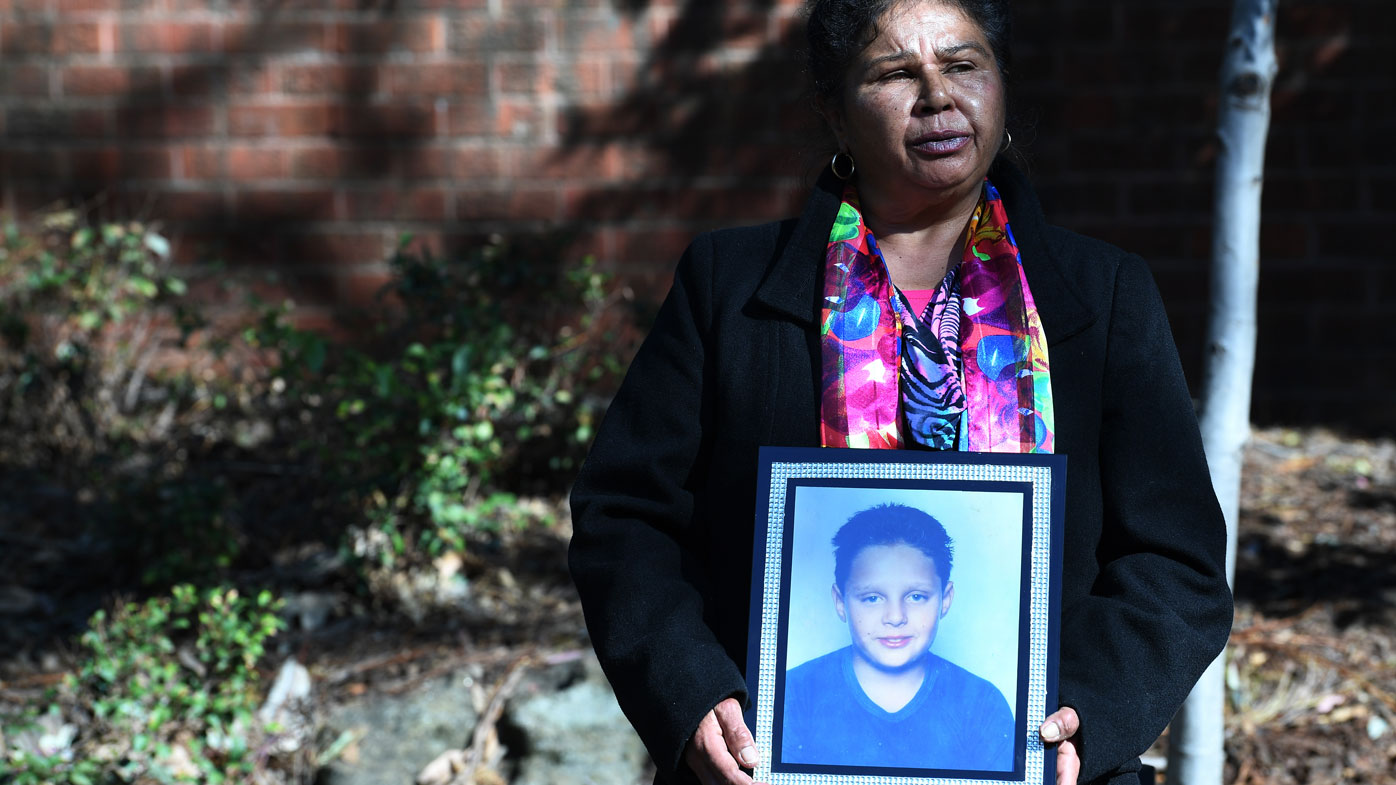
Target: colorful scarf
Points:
(891, 377)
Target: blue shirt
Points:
(956, 720)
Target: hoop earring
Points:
(1008, 142)
(834, 165)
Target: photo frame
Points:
(875, 660)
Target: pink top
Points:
(919, 298)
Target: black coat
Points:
(663, 509)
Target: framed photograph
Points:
(904, 618)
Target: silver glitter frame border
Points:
(1040, 478)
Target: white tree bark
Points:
(1195, 754)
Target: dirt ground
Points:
(1311, 680)
(1312, 673)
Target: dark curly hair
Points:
(892, 524)
(837, 30)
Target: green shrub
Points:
(486, 380)
(166, 691)
(87, 312)
(78, 308)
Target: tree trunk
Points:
(1195, 753)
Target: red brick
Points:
(468, 163)
(249, 164)
(515, 204)
(1352, 239)
(474, 34)
(165, 37)
(49, 38)
(1155, 22)
(1308, 193)
(197, 79)
(203, 163)
(418, 204)
(338, 162)
(729, 30)
(535, 78)
(1315, 19)
(113, 81)
(336, 78)
(469, 117)
(281, 120)
(596, 33)
(64, 7)
(284, 205)
(190, 249)
(119, 163)
(1170, 198)
(651, 245)
(419, 35)
(518, 119)
(1383, 194)
(24, 81)
(338, 248)
(1283, 240)
(51, 123)
(317, 163)
(396, 121)
(31, 199)
(191, 205)
(455, 78)
(586, 161)
(365, 287)
(278, 37)
(614, 203)
(165, 121)
(590, 78)
(598, 119)
(33, 164)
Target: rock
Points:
(400, 734)
(284, 712)
(575, 736)
(442, 770)
(312, 608)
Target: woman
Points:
(1000, 331)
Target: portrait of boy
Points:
(885, 699)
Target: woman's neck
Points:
(920, 245)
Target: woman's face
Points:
(922, 108)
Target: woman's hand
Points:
(722, 746)
(1060, 728)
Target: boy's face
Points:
(892, 604)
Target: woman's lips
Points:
(941, 143)
(895, 643)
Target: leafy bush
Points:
(79, 308)
(89, 313)
(486, 381)
(166, 691)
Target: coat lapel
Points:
(792, 286)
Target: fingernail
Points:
(1051, 731)
(749, 756)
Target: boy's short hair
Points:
(892, 524)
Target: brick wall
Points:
(304, 136)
